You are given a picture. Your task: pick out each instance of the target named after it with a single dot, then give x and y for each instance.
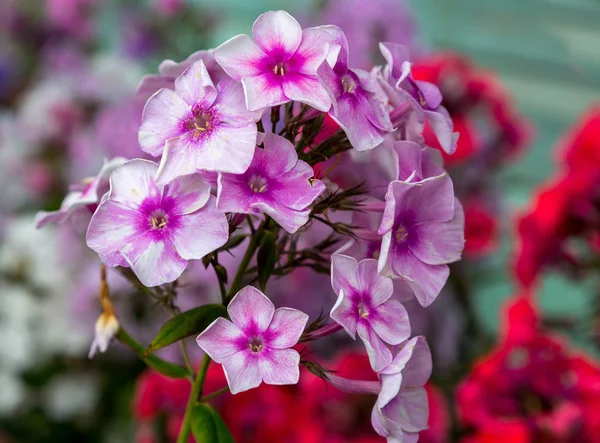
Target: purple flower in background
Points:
(423, 231)
(359, 113)
(414, 101)
(415, 163)
(255, 345)
(402, 408)
(83, 198)
(281, 66)
(155, 229)
(169, 70)
(199, 127)
(276, 183)
(364, 306)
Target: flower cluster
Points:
(251, 142)
(565, 210)
(531, 387)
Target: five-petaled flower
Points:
(423, 231)
(364, 306)
(254, 346)
(281, 66)
(155, 229)
(276, 183)
(199, 126)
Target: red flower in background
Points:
(566, 207)
(310, 412)
(481, 228)
(530, 388)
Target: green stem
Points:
(214, 394)
(186, 425)
(236, 284)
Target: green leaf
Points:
(233, 242)
(208, 426)
(169, 369)
(221, 272)
(188, 323)
(266, 258)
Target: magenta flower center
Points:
(257, 184)
(158, 219)
(279, 69)
(348, 83)
(200, 122)
(362, 310)
(401, 234)
(255, 344)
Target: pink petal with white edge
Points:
(161, 119)
(277, 33)
(441, 243)
(278, 156)
(441, 124)
(390, 386)
(179, 159)
(344, 274)
(298, 188)
(201, 232)
(379, 288)
(418, 368)
(431, 200)
(306, 89)
(410, 410)
(153, 262)
(289, 219)
(279, 366)
(195, 86)
(133, 182)
(251, 311)
(390, 322)
(231, 104)
(221, 339)
(234, 193)
(362, 134)
(239, 57)
(344, 313)
(408, 158)
(112, 226)
(242, 372)
(189, 193)
(263, 90)
(286, 328)
(312, 51)
(379, 354)
(228, 149)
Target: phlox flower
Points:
(254, 346)
(364, 307)
(199, 126)
(276, 183)
(414, 162)
(423, 231)
(155, 229)
(280, 65)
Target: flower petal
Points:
(297, 189)
(408, 158)
(251, 311)
(277, 33)
(410, 410)
(179, 159)
(239, 57)
(441, 123)
(418, 368)
(195, 86)
(228, 149)
(306, 89)
(380, 289)
(289, 219)
(277, 158)
(344, 274)
(161, 119)
(279, 366)
(221, 339)
(379, 354)
(344, 313)
(312, 51)
(234, 193)
(242, 372)
(133, 182)
(441, 243)
(201, 232)
(390, 322)
(112, 226)
(188, 193)
(154, 262)
(231, 104)
(350, 114)
(263, 90)
(286, 328)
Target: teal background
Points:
(547, 54)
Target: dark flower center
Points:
(158, 219)
(257, 184)
(279, 69)
(255, 344)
